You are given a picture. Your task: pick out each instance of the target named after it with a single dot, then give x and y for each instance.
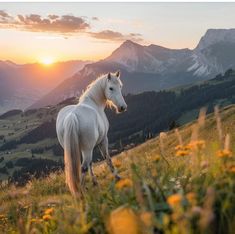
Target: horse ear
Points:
(109, 76)
(118, 73)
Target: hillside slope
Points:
(27, 137)
(168, 185)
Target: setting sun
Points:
(47, 61)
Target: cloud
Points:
(95, 18)
(110, 35)
(53, 17)
(64, 24)
(3, 14)
(4, 17)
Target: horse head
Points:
(113, 91)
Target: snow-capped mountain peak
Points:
(126, 55)
(213, 36)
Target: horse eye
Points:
(111, 88)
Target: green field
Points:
(182, 182)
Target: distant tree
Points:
(120, 144)
(57, 150)
(34, 168)
(229, 72)
(219, 77)
(9, 164)
(37, 150)
(9, 145)
(173, 124)
(40, 115)
(3, 170)
(11, 113)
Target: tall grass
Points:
(181, 182)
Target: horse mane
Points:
(90, 86)
(89, 92)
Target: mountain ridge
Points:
(23, 84)
(153, 67)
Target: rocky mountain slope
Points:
(146, 68)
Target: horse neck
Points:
(96, 94)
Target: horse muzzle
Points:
(122, 108)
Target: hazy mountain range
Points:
(144, 68)
(22, 85)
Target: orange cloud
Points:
(4, 15)
(65, 24)
(115, 36)
(52, 23)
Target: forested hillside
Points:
(31, 134)
(180, 182)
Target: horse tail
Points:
(72, 153)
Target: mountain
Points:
(22, 85)
(146, 68)
(148, 59)
(215, 53)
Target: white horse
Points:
(83, 126)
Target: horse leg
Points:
(86, 161)
(105, 153)
(93, 175)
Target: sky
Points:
(46, 32)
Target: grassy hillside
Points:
(29, 136)
(181, 182)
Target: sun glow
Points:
(47, 61)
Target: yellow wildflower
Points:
(179, 147)
(191, 197)
(201, 144)
(46, 217)
(174, 199)
(117, 163)
(123, 220)
(196, 145)
(34, 220)
(49, 211)
(189, 146)
(123, 183)
(224, 153)
(181, 153)
(2, 216)
(147, 218)
(231, 169)
(156, 157)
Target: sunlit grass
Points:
(181, 182)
